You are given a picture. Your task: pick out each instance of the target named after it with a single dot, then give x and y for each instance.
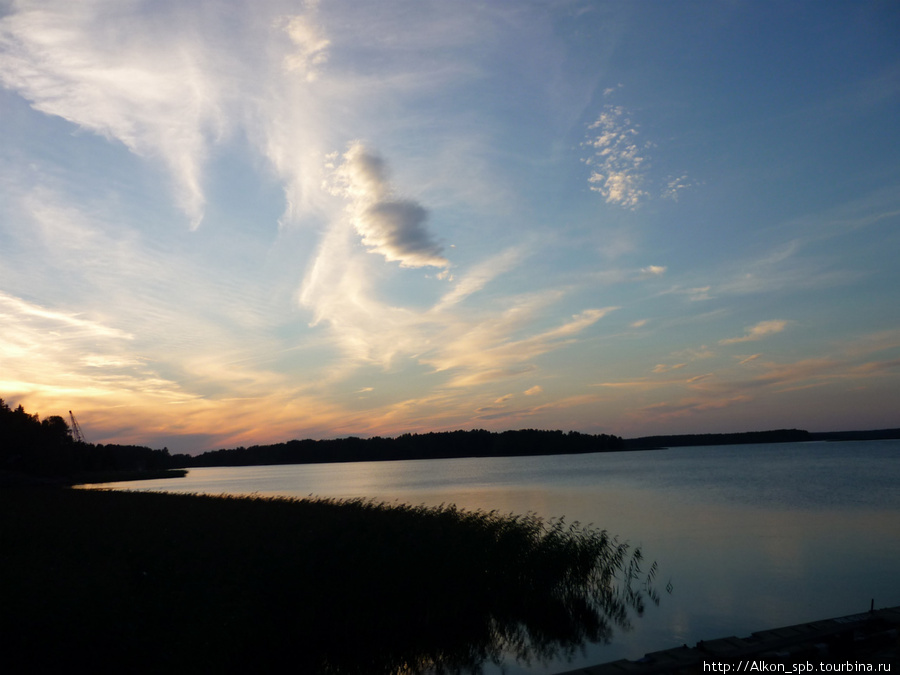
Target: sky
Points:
(233, 223)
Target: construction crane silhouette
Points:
(76, 429)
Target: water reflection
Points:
(502, 588)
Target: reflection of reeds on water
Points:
(227, 584)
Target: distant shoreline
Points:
(774, 436)
(480, 443)
(47, 452)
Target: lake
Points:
(750, 536)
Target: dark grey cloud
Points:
(396, 228)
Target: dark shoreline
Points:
(861, 641)
(13, 479)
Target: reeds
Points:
(187, 583)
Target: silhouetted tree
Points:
(46, 448)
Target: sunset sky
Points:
(228, 223)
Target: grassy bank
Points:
(188, 583)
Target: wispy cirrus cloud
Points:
(865, 363)
(310, 43)
(537, 413)
(484, 351)
(173, 85)
(55, 360)
(51, 354)
(68, 60)
(758, 332)
(690, 406)
(790, 263)
(481, 274)
(663, 368)
(16, 311)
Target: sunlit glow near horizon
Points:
(234, 223)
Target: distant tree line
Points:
(434, 445)
(684, 440)
(773, 436)
(870, 435)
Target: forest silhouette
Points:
(32, 449)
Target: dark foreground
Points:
(145, 582)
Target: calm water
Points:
(751, 537)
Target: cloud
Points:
(637, 384)
(612, 90)
(615, 275)
(481, 274)
(703, 352)
(653, 271)
(874, 343)
(663, 368)
(848, 368)
(536, 389)
(675, 186)
(877, 367)
(17, 311)
(484, 352)
(310, 43)
(780, 268)
(847, 363)
(620, 166)
(617, 158)
(150, 91)
(783, 266)
(542, 411)
(172, 86)
(698, 294)
(55, 360)
(54, 355)
(758, 332)
(473, 342)
(393, 227)
(690, 406)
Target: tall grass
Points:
(159, 582)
